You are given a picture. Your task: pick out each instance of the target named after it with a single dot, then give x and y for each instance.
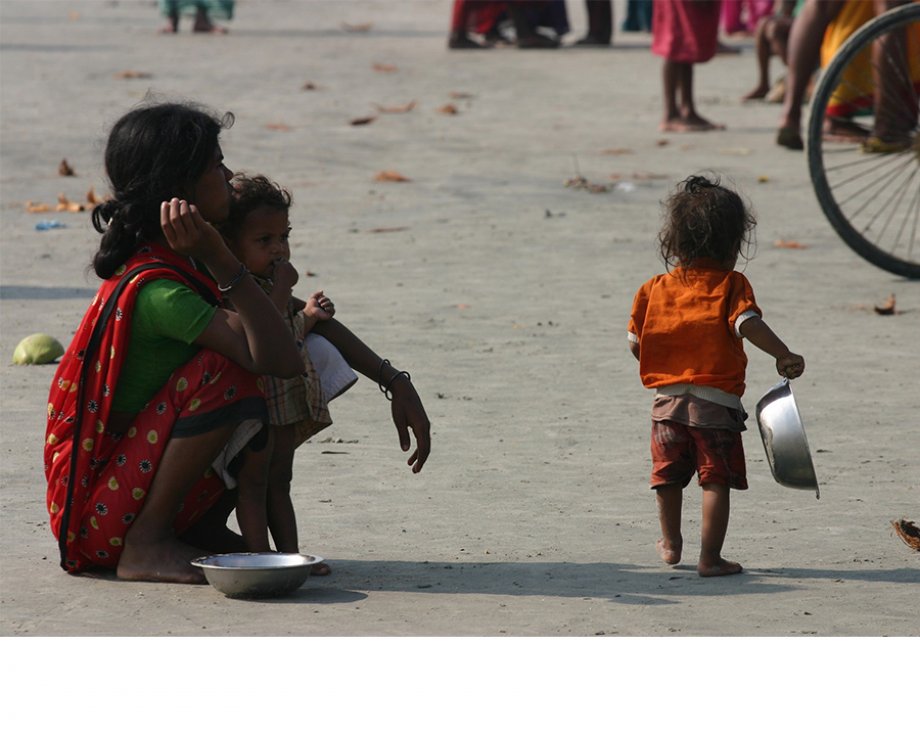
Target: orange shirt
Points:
(684, 322)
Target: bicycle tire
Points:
(909, 265)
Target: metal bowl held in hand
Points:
(784, 439)
(257, 574)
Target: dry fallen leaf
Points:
(396, 108)
(311, 273)
(65, 169)
(647, 176)
(388, 229)
(448, 109)
(37, 207)
(363, 121)
(579, 182)
(390, 176)
(887, 307)
(460, 96)
(132, 74)
(763, 179)
(357, 27)
(284, 127)
(617, 151)
(65, 205)
(385, 68)
(662, 142)
(309, 86)
(790, 244)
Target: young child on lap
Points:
(257, 232)
(686, 330)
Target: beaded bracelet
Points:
(234, 282)
(385, 390)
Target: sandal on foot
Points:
(874, 144)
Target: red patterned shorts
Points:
(679, 451)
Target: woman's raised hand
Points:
(187, 232)
(408, 412)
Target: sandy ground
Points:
(506, 295)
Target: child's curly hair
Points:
(250, 193)
(703, 219)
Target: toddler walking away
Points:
(686, 330)
(257, 232)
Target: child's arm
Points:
(759, 334)
(406, 407)
(284, 276)
(634, 348)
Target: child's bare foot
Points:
(669, 553)
(165, 561)
(720, 566)
(320, 569)
(758, 93)
(209, 28)
(690, 124)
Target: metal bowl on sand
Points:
(784, 439)
(256, 574)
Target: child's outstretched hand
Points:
(790, 365)
(319, 307)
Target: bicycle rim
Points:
(870, 189)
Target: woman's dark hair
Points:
(153, 153)
(703, 219)
(250, 193)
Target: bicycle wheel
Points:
(864, 148)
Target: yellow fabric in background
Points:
(854, 94)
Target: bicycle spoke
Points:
(906, 218)
(907, 163)
(891, 201)
(888, 160)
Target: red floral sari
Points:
(98, 480)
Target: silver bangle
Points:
(234, 282)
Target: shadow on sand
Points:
(627, 584)
(14, 291)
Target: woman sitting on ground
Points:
(158, 378)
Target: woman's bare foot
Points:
(720, 566)
(164, 561)
(669, 553)
(169, 28)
